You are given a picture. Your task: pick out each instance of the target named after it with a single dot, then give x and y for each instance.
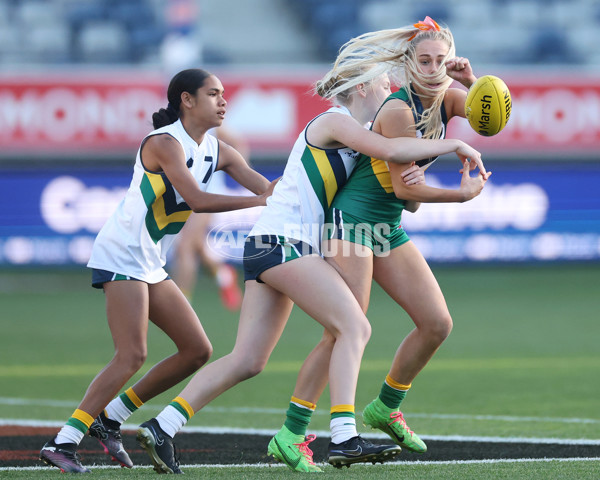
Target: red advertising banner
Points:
(108, 113)
(552, 114)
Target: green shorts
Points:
(381, 238)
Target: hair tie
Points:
(429, 24)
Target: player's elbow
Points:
(412, 206)
(391, 154)
(403, 192)
(400, 195)
(200, 203)
(396, 154)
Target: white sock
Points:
(69, 434)
(342, 429)
(170, 420)
(117, 410)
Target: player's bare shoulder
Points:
(158, 149)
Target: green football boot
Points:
(378, 415)
(293, 450)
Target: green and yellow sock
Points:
(75, 428)
(174, 416)
(123, 406)
(392, 393)
(343, 423)
(298, 415)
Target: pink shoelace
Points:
(397, 417)
(304, 450)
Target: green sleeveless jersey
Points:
(369, 194)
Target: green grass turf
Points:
(522, 359)
(555, 470)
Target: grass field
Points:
(522, 361)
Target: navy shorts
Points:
(262, 252)
(100, 277)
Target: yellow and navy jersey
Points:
(136, 238)
(310, 181)
(369, 193)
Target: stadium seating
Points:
(132, 31)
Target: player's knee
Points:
(132, 359)
(359, 330)
(205, 355)
(254, 369)
(327, 342)
(448, 324)
(362, 328)
(439, 330)
(198, 357)
(365, 330)
(251, 367)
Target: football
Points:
(488, 105)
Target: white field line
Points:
(269, 465)
(324, 433)
(278, 411)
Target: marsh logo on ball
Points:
(488, 105)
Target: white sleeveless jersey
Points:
(135, 239)
(218, 182)
(310, 180)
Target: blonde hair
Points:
(364, 58)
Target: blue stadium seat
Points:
(439, 11)
(82, 13)
(132, 13)
(103, 42)
(337, 37)
(549, 45)
(336, 21)
(144, 39)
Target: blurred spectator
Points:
(170, 32)
(182, 45)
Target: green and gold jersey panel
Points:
(165, 215)
(326, 171)
(369, 193)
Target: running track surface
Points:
(20, 446)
